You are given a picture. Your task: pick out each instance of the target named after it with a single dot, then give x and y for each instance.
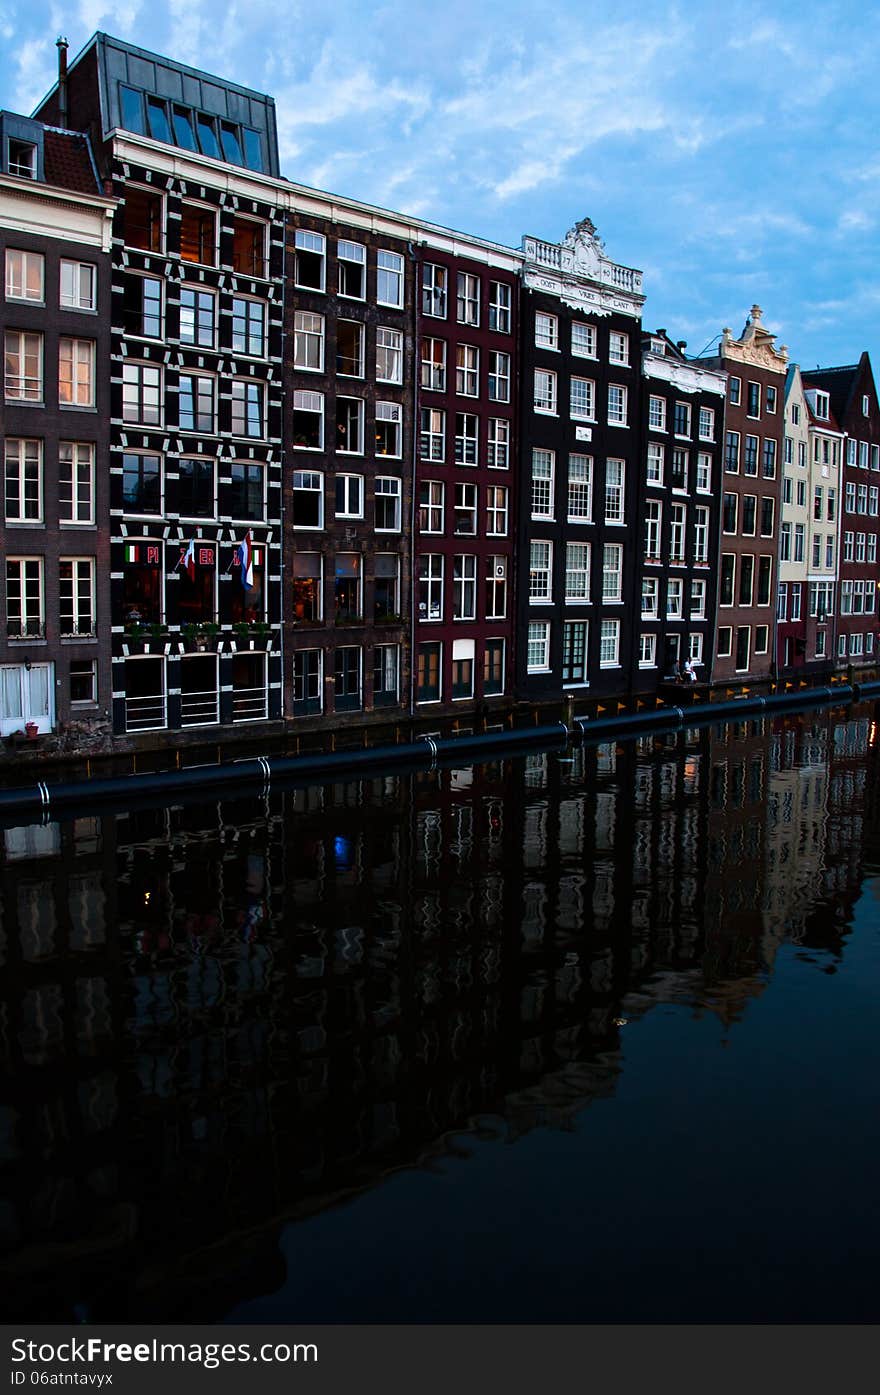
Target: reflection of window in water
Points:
(571, 827)
(603, 895)
(534, 916)
(606, 758)
(536, 770)
(428, 841)
(642, 852)
(535, 835)
(85, 901)
(570, 905)
(644, 786)
(606, 808)
(37, 922)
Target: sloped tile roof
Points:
(68, 164)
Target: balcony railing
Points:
(146, 713)
(249, 704)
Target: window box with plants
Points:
(252, 634)
(144, 636)
(199, 636)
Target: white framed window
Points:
(465, 513)
(707, 424)
(656, 456)
(310, 260)
(23, 480)
(650, 593)
(24, 366)
(704, 472)
(546, 330)
(583, 339)
(543, 478)
(352, 270)
(432, 434)
(701, 535)
(76, 372)
(464, 587)
(197, 400)
(462, 669)
(496, 588)
(498, 443)
(614, 490)
(142, 393)
(674, 598)
(308, 420)
(198, 311)
(538, 646)
(25, 598)
(577, 572)
(389, 355)
(389, 278)
(78, 289)
(389, 429)
(496, 511)
(617, 404)
(574, 651)
(545, 391)
(657, 413)
(83, 682)
(76, 596)
(308, 341)
(434, 282)
(246, 408)
(582, 401)
(499, 376)
(580, 488)
(618, 347)
(609, 644)
(725, 642)
(430, 575)
(349, 426)
(350, 348)
(647, 651)
(653, 519)
(308, 499)
(433, 374)
(349, 496)
(612, 573)
(25, 276)
(695, 647)
(467, 370)
(540, 572)
(388, 504)
(432, 494)
(499, 307)
(734, 388)
(467, 300)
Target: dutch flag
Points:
(246, 552)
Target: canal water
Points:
(581, 1037)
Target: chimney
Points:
(61, 45)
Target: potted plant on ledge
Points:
(251, 633)
(200, 636)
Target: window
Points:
(788, 450)
(609, 644)
(22, 159)
(386, 666)
(577, 572)
(787, 493)
(707, 424)
(647, 651)
(653, 516)
(428, 673)
(247, 408)
(614, 491)
(678, 476)
(248, 327)
(386, 587)
(770, 399)
(785, 543)
(434, 281)
(389, 429)
(431, 506)
(499, 307)
(25, 599)
(618, 347)
(197, 393)
(389, 278)
(388, 504)
(704, 472)
(674, 598)
(76, 596)
(307, 589)
(347, 690)
(782, 601)
(650, 587)
(308, 420)
(310, 260)
(753, 400)
(432, 435)
(24, 366)
(543, 469)
(196, 487)
(540, 572)
(545, 391)
(823, 403)
(735, 389)
(468, 299)
(430, 575)
(142, 306)
(682, 419)
(198, 313)
(350, 348)
(78, 285)
(749, 514)
(465, 516)
(765, 580)
(725, 640)
(76, 482)
(308, 341)
(496, 588)
(493, 666)
(657, 413)
(617, 399)
(308, 499)
(141, 483)
(499, 376)
(729, 513)
(142, 393)
(798, 542)
(574, 651)
(142, 219)
(83, 682)
(612, 572)
(352, 258)
(464, 587)
(347, 589)
(746, 578)
(349, 426)
(349, 496)
(768, 514)
(307, 695)
(433, 375)
(249, 247)
(496, 511)
(198, 235)
(582, 399)
(25, 276)
(467, 371)
(725, 586)
(743, 637)
(731, 452)
(546, 330)
(656, 454)
(498, 444)
(467, 427)
(247, 491)
(750, 457)
(23, 490)
(583, 340)
(538, 646)
(769, 461)
(389, 355)
(762, 637)
(701, 535)
(677, 521)
(76, 372)
(873, 500)
(698, 600)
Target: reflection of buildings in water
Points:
(214, 1020)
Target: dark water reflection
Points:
(604, 1031)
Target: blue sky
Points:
(728, 150)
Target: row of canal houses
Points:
(280, 458)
